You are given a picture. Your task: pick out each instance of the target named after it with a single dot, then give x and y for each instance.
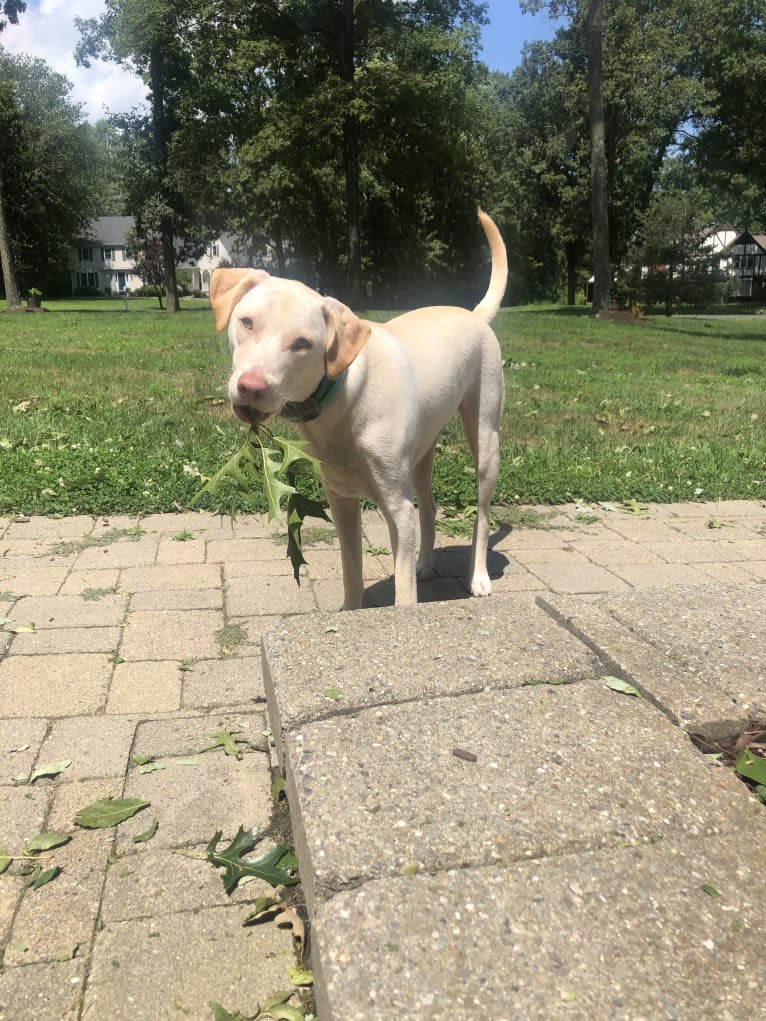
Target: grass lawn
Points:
(105, 410)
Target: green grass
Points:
(105, 411)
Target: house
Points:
(99, 260)
(745, 264)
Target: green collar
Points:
(306, 411)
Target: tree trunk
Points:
(355, 296)
(12, 298)
(159, 124)
(571, 257)
(169, 264)
(602, 269)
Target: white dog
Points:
(371, 399)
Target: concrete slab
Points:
(557, 769)
(61, 685)
(20, 741)
(626, 934)
(212, 682)
(374, 657)
(71, 611)
(172, 635)
(193, 801)
(56, 641)
(259, 594)
(62, 914)
(170, 578)
(173, 966)
(42, 992)
(194, 599)
(699, 652)
(96, 746)
(149, 687)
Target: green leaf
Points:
(140, 760)
(617, 684)
(301, 976)
(276, 1000)
(40, 878)
(5, 860)
(102, 814)
(332, 693)
(752, 767)
(225, 739)
(69, 955)
(275, 868)
(709, 890)
(50, 769)
(23, 629)
(46, 842)
(220, 1013)
(300, 507)
(151, 767)
(142, 838)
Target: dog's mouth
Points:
(249, 415)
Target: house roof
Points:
(109, 230)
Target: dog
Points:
(372, 399)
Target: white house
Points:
(100, 260)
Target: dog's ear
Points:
(346, 336)
(227, 286)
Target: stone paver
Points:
(565, 873)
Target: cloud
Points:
(47, 30)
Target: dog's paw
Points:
(481, 586)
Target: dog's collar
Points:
(308, 410)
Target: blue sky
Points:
(46, 30)
(504, 38)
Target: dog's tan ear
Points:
(346, 336)
(227, 286)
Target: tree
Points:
(348, 121)
(45, 153)
(148, 37)
(149, 265)
(11, 9)
(671, 261)
(602, 264)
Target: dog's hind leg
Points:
(481, 429)
(421, 482)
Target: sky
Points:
(46, 30)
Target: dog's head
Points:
(284, 339)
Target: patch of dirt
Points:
(729, 748)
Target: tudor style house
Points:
(745, 264)
(99, 260)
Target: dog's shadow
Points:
(451, 580)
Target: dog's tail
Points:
(490, 303)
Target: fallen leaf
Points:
(142, 838)
(102, 814)
(277, 788)
(220, 1013)
(5, 860)
(618, 685)
(332, 693)
(40, 878)
(151, 767)
(226, 739)
(291, 917)
(275, 867)
(710, 890)
(46, 842)
(140, 760)
(69, 954)
(186, 762)
(301, 976)
(23, 629)
(752, 767)
(50, 769)
(410, 869)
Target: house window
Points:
(109, 253)
(89, 279)
(214, 251)
(85, 254)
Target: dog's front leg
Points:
(347, 518)
(400, 517)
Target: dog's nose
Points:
(252, 384)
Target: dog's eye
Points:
(300, 344)
(246, 322)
